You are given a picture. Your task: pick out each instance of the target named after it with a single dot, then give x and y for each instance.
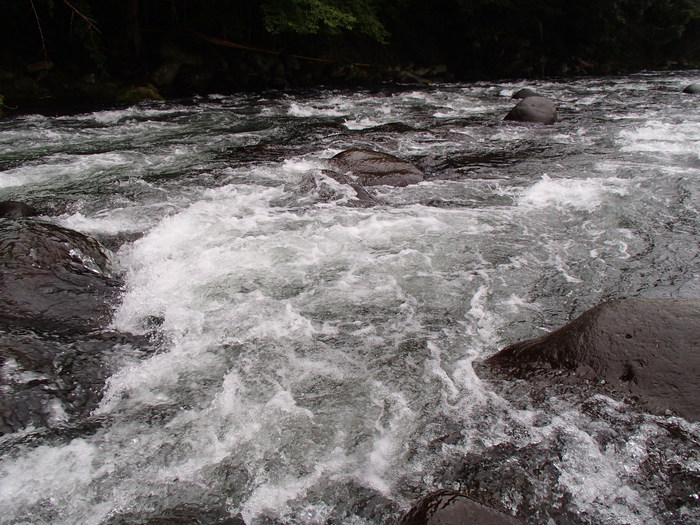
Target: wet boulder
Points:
(645, 350)
(525, 93)
(692, 88)
(363, 195)
(372, 168)
(540, 110)
(54, 278)
(49, 381)
(16, 210)
(451, 508)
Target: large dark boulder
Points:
(53, 278)
(372, 168)
(534, 109)
(15, 210)
(451, 508)
(692, 88)
(646, 350)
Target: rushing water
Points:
(314, 356)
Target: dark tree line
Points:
(124, 39)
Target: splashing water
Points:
(313, 358)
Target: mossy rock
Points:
(137, 94)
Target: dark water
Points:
(314, 356)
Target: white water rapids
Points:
(314, 356)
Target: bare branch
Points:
(87, 19)
(41, 31)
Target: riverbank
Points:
(177, 70)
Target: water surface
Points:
(314, 356)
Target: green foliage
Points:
(312, 17)
(138, 94)
(474, 38)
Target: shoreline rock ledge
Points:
(646, 349)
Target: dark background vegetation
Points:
(62, 49)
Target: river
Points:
(313, 357)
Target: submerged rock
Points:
(15, 210)
(534, 109)
(363, 196)
(53, 277)
(47, 380)
(183, 514)
(524, 93)
(372, 168)
(645, 348)
(451, 508)
(692, 88)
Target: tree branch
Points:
(41, 31)
(90, 22)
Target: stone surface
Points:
(48, 381)
(53, 277)
(15, 210)
(372, 168)
(451, 508)
(644, 349)
(534, 109)
(184, 514)
(362, 194)
(524, 93)
(692, 88)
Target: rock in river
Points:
(692, 88)
(372, 168)
(525, 93)
(648, 349)
(534, 109)
(451, 508)
(52, 277)
(47, 380)
(15, 210)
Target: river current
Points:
(313, 357)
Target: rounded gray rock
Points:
(372, 168)
(525, 93)
(534, 109)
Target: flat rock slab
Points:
(451, 508)
(372, 168)
(539, 110)
(645, 348)
(53, 278)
